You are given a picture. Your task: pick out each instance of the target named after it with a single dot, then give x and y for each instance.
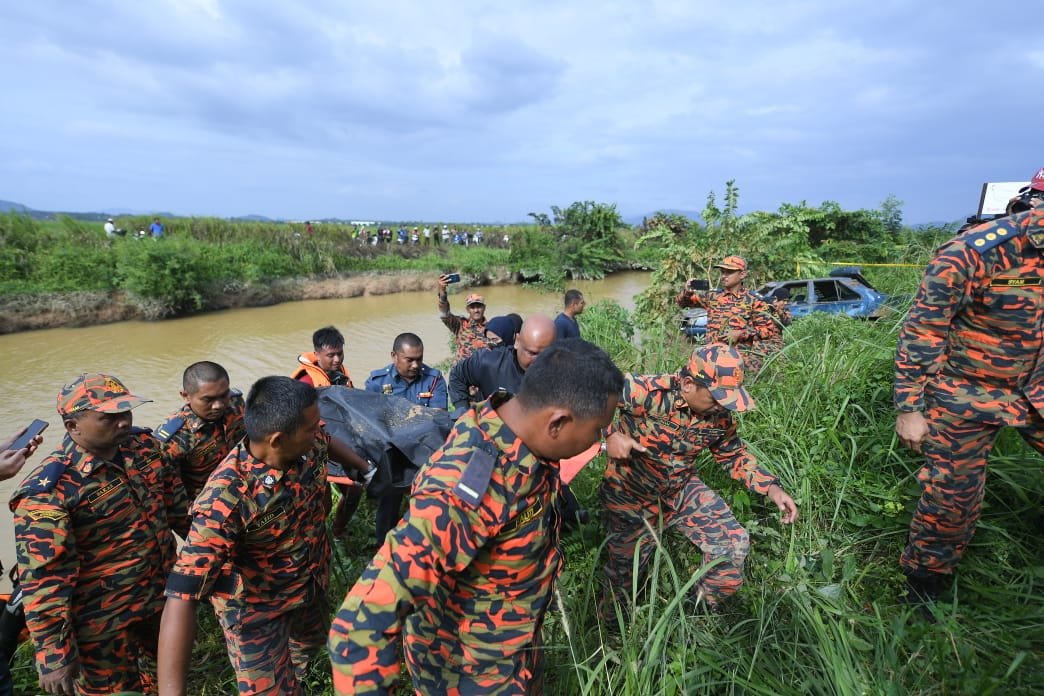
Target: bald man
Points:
(501, 369)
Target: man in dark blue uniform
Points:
(407, 376)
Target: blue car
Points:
(846, 291)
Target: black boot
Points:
(924, 589)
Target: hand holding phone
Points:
(452, 277)
(28, 435)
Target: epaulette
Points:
(990, 236)
(43, 481)
(168, 429)
(475, 479)
(140, 430)
(380, 372)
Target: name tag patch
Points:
(266, 520)
(1014, 282)
(525, 517)
(104, 492)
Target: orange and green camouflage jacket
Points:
(972, 343)
(94, 544)
(728, 311)
(468, 335)
(196, 446)
(653, 412)
(258, 544)
(467, 575)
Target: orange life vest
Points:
(319, 377)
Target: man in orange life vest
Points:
(325, 365)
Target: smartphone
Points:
(34, 429)
(452, 277)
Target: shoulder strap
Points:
(477, 472)
(991, 236)
(168, 429)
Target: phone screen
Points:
(34, 429)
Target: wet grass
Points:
(820, 610)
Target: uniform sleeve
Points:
(216, 524)
(632, 403)
(439, 536)
(175, 497)
(944, 290)
(48, 564)
(689, 298)
(731, 452)
(762, 325)
(463, 375)
(452, 322)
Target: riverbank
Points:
(76, 309)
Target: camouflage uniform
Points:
(663, 483)
(258, 548)
(970, 357)
(196, 446)
(467, 575)
(468, 335)
(743, 310)
(94, 547)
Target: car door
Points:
(832, 296)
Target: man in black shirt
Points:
(502, 369)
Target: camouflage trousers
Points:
(695, 511)
(521, 674)
(953, 481)
(271, 657)
(125, 661)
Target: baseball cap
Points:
(732, 263)
(474, 298)
(96, 392)
(1037, 182)
(720, 368)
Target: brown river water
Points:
(149, 357)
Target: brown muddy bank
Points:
(53, 310)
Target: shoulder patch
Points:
(44, 480)
(168, 429)
(991, 236)
(475, 480)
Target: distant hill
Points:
(12, 207)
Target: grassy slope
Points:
(819, 612)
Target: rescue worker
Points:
(12, 616)
(467, 575)
(322, 368)
(664, 423)
(565, 323)
(325, 365)
(407, 376)
(970, 360)
(199, 435)
(258, 548)
(469, 333)
(94, 544)
(735, 316)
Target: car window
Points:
(832, 291)
(798, 291)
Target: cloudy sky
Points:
(486, 111)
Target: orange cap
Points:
(474, 298)
(720, 368)
(732, 263)
(96, 392)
